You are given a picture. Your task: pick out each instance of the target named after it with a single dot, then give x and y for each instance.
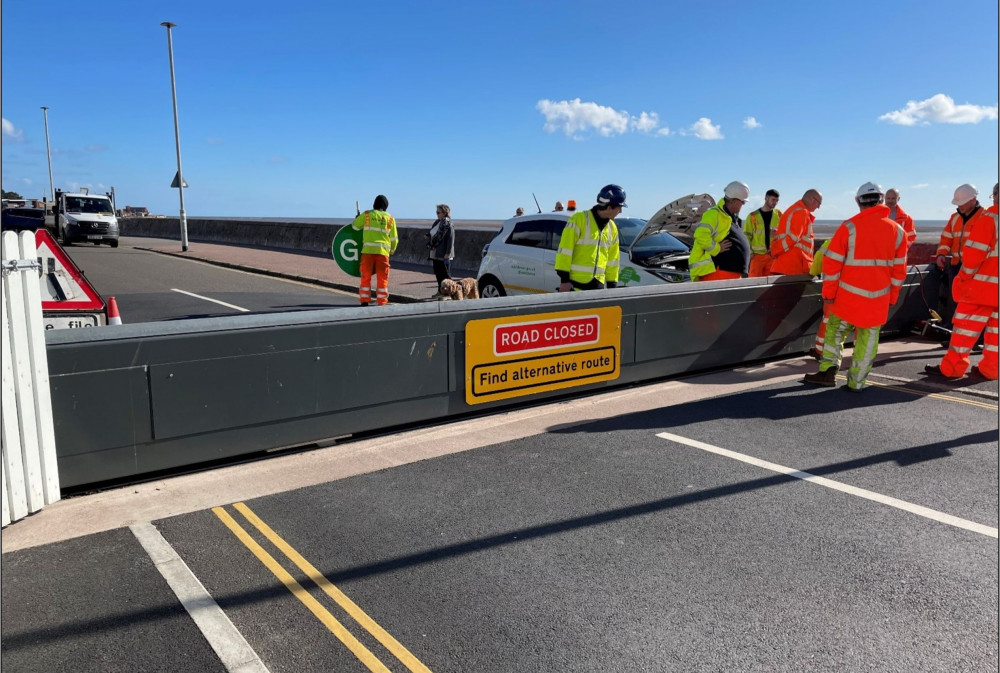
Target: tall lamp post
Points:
(179, 180)
(48, 151)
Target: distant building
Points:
(136, 211)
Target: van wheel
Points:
(63, 239)
(490, 287)
(113, 244)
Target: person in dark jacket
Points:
(441, 243)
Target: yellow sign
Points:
(527, 354)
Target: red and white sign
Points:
(545, 334)
(62, 284)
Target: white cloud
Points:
(646, 122)
(9, 131)
(922, 185)
(751, 123)
(939, 109)
(276, 159)
(96, 148)
(704, 129)
(574, 118)
(213, 141)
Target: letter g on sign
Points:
(346, 249)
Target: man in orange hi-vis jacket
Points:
(976, 290)
(792, 241)
(949, 252)
(863, 270)
(900, 216)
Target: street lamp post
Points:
(177, 137)
(48, 151)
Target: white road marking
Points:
(216, 301)
(234, 651)
(919, 510)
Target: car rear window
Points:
(530, 234)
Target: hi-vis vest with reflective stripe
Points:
(864, 267)
(710, 232)
(792, 241)
(379, 229)
(954, 235)
(754, 229)
(977, 283)
(588, 252)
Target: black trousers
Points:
(442, 269)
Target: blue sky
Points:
(299, 110)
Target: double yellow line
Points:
(322, 614)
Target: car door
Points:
(529, 258)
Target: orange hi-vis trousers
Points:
(379, 264)
(968, 323)
(821, 332)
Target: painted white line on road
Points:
(234, 651)
(919, 510)
(215, 301)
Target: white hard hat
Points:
(868, 189)
(964, 194)
(737, 190)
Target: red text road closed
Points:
(534, 336)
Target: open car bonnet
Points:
(678, 217)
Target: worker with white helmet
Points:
(949, 251)
(863, 271)
(975, 290)
(720, 250)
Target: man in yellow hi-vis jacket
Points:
(588, 253)
(378, 242)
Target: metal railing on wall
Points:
(30, 472)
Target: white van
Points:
(521, 257)
(79, 217)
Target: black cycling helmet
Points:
(611, 195)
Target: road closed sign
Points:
(523, 355)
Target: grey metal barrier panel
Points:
(135, 399)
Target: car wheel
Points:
(114, 243)
(490, 287)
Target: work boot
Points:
(850, 389)
(935, 370)
(827, 378)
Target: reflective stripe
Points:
(970, 318)
(835, 276)
(834, 255)
(564, 251)
(864, 293)
(966, 332)
(704, 262)
(585, 268)
(977, 245)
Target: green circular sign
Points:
(347, 250)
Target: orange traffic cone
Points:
(113, 316)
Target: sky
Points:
(301, 110)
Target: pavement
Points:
(408, 283)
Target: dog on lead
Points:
(463, 288)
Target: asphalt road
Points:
(736, 521)
(149, 287)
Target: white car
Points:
(521, 258)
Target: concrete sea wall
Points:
(302, 236)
